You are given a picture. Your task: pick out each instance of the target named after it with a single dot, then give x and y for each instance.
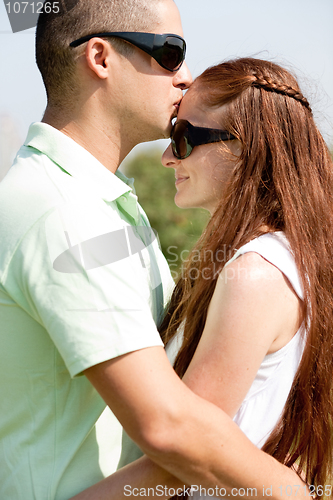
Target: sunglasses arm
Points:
(144, 41)
(197, 137)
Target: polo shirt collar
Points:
(83, 166)
(77, 161)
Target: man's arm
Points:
(142, 475)
(184, 434)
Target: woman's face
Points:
(202, 177)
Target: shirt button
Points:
(124, 199)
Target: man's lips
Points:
(177, 104)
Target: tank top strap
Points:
(275, 248)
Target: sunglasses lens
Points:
(173, 53)
(179, 143)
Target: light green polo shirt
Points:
(82, 280)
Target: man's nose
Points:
(183, 77)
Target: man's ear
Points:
(99, 55)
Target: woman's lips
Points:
(179, 180)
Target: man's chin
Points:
(169, 128)
(161, 134)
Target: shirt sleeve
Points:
(92, 297)
(130, 451)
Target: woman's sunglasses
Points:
(184, 137)
(168, 50)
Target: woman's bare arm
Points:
(221, 370)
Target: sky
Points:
(297, 34)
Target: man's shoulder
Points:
(26, 192)
(27, 177)
(38, 198)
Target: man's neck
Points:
(102, 141)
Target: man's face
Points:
(150, 94)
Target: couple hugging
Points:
(221, 381)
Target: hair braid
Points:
(267, 83)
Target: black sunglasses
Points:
(185, 136)
(168, 50)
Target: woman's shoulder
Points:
(268, 257)
(251, 275)
(259, 285)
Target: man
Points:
(78, 306)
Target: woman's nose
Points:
(168, 159)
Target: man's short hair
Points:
(57, 61)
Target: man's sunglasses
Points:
(168, 50)
(185, 136)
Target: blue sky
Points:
(295, 33)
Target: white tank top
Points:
(265, 400)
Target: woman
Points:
(250, 323)
(260, 294)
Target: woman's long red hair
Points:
(284, 182)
